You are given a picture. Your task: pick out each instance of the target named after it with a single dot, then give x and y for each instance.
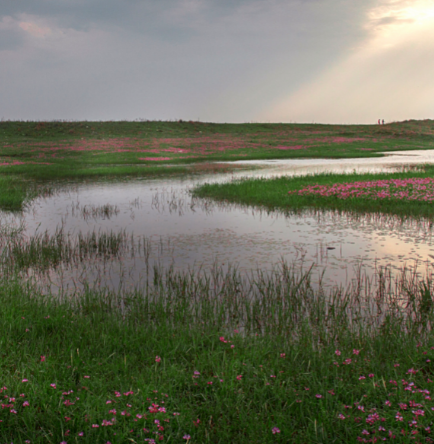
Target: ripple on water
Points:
(188, 233)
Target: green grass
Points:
(107, 351)
(50, 151)
(273, 194)
(318, 364)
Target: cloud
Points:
(11, 37)
(34, 30)
(388, 76)
(225, 60)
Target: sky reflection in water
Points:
(188, 233)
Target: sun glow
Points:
(412, 12)
(396, 21)
(388, 74)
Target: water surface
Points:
(188, 233)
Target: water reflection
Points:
(187, 233)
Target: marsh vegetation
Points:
(216, 352)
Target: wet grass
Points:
(53, 151)
(44, 251)
(209, 357)
(274, 194)
(217, 358)
(195, 357)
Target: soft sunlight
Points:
(389, 73)
(412, 12)
(397, 21)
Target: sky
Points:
(305, 61)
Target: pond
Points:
(166, 227)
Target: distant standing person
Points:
(383, 121)
(379, 121)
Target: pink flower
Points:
(86, 377)
(355, 351)
(239, 377)
(282, 355)
(26, 404)
(53, 385)
(157, 359)
(337, 353)
(275, 430)
(25, 380)
(187, 437)
(42, 358)
(318, 396)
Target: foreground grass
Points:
(51, 151)
(275, 194)
(216, 360)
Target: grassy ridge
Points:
(273, 194)
(48, 151)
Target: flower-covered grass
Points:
(404, 194)
(413, 189)
(217, 360)
(46, 151)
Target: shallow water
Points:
(191, 233)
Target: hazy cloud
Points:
(225, 60)
(389, 76)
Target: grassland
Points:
(293, 194)
(204, 358)
(40, 152)
(216, 359)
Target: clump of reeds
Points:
(106, 211)
(45, 250)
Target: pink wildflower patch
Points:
(295, 147)
(413, 189)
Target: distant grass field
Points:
(49, 151)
